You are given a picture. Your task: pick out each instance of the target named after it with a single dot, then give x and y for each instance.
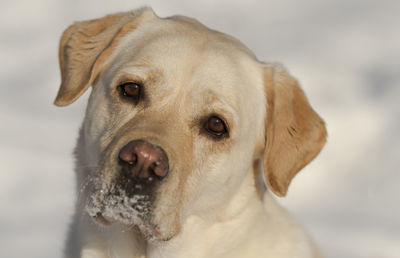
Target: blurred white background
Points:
(345, 53)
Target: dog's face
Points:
(176, 118)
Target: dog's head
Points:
(177, 117)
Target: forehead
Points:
(211, 66)
(179, 45)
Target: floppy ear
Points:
(295, 133)
(85, 46)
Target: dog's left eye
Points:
(131, 90)
(216, 127)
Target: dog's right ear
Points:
(85, 47)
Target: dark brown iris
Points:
(131, 90)
(216, 127)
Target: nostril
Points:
(133, 160)
(159, 168)
(128, 157)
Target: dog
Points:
(186, 135)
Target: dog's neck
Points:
(215, 231)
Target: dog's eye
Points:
(216, 127)
(131, 90)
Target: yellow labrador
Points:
(182, 128)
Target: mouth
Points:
(112, 204)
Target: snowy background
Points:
(346, 54)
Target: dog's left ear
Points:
(295, 133)
(85, 47)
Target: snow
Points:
(114, 203)
(345, 53)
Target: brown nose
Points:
(144, 160)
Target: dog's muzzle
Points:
(128, 198)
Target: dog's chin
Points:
(147, 230)
(132, 213)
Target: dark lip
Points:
(100, 219)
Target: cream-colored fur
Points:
(213, 203)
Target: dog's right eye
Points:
(131, 90)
